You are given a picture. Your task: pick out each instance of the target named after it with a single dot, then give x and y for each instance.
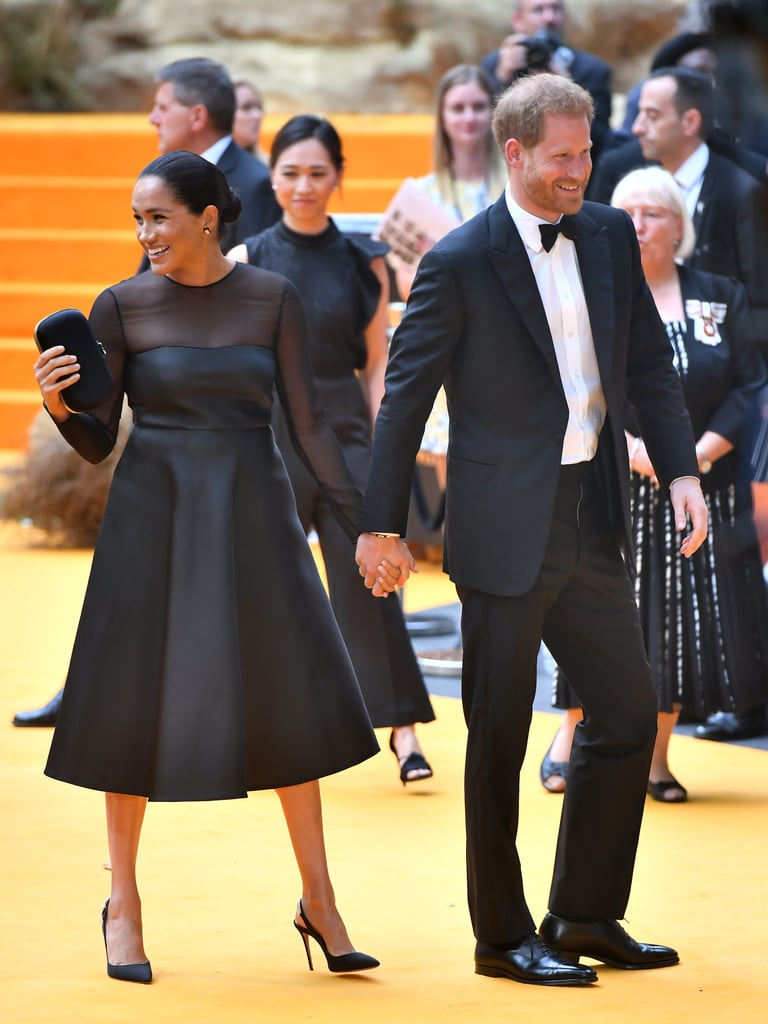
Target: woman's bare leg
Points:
(660, 771)
(560, 750)
(304, 817)
(406, 742)
(125, 816)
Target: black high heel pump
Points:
(124, 972)
(343, 964)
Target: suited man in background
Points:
(538, 350)
(726, 204)
(194, 108)
(531, 18)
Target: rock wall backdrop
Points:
(320, 55)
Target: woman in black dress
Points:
(705, 619)
(207, 662)
(342, 280)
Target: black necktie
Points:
(549, 232)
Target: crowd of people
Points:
(589, 369)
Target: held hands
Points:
(687, 500)
(385, 563)
(54, 371)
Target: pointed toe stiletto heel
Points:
(124, 972)
(343, 964)
(412, 763)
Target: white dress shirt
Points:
(690, 174)
(559, 282)
(214, 153)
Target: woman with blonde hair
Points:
(468, 171)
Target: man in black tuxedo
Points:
(531, 18)
(539, 349)
(194, 109)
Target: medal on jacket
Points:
(706, 316)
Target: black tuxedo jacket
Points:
(614, 164)
(621, 158)
(731, 226)
(475, 320)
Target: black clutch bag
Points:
(71, 329)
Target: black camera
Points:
(542, 47)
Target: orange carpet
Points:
(219, 882)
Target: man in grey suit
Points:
(539, 340)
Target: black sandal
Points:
(549, 768)
(658, 791)
(412, 763)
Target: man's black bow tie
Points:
(549, 232)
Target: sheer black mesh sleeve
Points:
(93, 434)
(312, 437)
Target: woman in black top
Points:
(207, 661)
(342, 281)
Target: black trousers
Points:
(582, 607)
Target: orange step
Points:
(71, 204)
(66, 230)
(58, 256)
(16, 358)
(104, 204)
(23, 304)
(120, 145)
(73, 145)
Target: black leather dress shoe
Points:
(606, 941)
(724, 725)
(46, 715)
(530, 961)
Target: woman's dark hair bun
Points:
(231, 207)
(196, 183)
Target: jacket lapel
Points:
(597, 279)
(228, 158)
(507, 254)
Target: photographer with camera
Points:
(536, 44)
